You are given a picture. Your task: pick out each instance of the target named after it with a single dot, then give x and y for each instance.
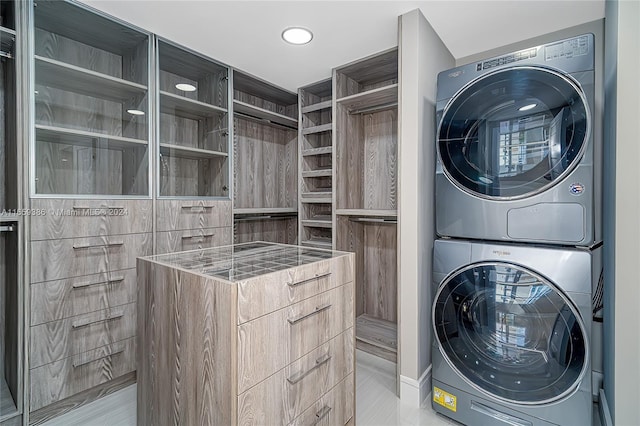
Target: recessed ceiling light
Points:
(185, 87)
(527, 107)
(135, 112)
(297, 35)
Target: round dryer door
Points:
(510, 333)
(513, 133)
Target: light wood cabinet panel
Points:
(86, 218)
(333, 409)
(287, 334)
(55, 340)
(265, 294)
(72, 257)
(69, 376)
(285, 395)
(193, 239)
(173, 215)
(54, 300)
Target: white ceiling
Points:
(246, 34)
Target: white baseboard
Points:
(413, 392)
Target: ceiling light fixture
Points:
(297, 35)
(527, 107)
(185, 87)
(135, 112)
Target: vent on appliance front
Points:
(503, 60)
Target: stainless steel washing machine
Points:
(518, 157)
(512, 333)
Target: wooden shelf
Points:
(7, 40)
(265, 210)
(377, 332)
(189, 152)
(317, 173)
(318, 242)
(367, 213)
(317, 223)
(187, 108)
(83, 138)
(317, 151)
(317, 194)
(316, 201)
(317, 107)
(371, 98)
(317, 129)
(263, 114)
(71, 78)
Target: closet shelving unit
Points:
(11, 287)
(265, 151)
(366, 123)
(316, 165)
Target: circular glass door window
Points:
(510, 333)
(513, 133)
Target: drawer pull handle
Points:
(186, 237)
(197, 209)
(91, 246)
(305, 316)
(322, 414)
(99, 208)
(79, 324)
(89, 284)
(87, 361)
(319, 362)
(317, 276)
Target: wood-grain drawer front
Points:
(55, 340)
(74, 257)
(86, 218)
(271, 342)
(193, 214)
(335, 408)
(69, 376)
(267, 293)
(286, 394)
(55, 300)
(194, 239)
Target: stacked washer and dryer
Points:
(517, 261)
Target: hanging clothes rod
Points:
(378, 220)
(265, 217)
(374, 108)
(262, 120)
(7, 228)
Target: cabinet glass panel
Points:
(194, 134)
(91, 104)
(8, 172)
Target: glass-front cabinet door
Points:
(510, 333)
(91, 104)
(513, 133)
(194, 125)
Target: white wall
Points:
(622, 376)
(422, 56)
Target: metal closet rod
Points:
(7, 228)
(262, 120)
(376, 108)
(266, 217)
(378, 220)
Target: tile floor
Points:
(376, 402)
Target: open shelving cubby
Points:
(366, 114)
(194, 124)
(91, 104)
(265, 152)
(316, 164)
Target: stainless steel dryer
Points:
(512, 326)
(518, 157)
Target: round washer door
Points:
(513, 133)
(510, 333)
